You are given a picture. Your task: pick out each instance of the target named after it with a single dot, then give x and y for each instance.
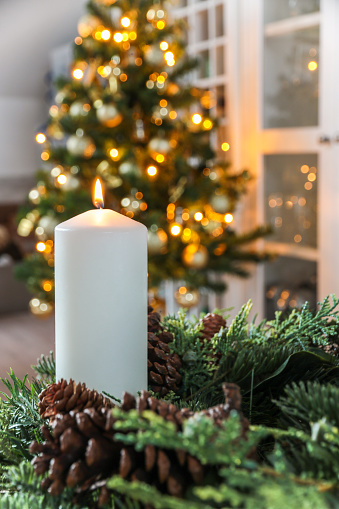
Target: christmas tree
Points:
(128, 115)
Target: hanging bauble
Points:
(153, 54)
(46, 225)
(195, 256)
(108, 115)
(221, 203)
(77, 109)
(156, 241)
(187, 298)
(158, 146)
(4, 237)
(88, 24)
(41, 308)
(129, 169)
(82, 146)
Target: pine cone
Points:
(163, 366)
(65, 396)
(81, 451)
(212, 325)
(331, 348)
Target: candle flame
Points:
(98, 199)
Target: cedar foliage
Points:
(290, 391)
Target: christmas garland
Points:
(244, 416)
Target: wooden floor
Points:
(23, 338)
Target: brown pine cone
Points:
(65, 396)
(81, 450)
(163, 366)
(212, 324)
(331, 348)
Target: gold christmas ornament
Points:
(41, 308)
(158, 146)
(108, 115)
(129, 169)
(220, 203)
(46, 227)
(82, 146)
(157, 241)
(195, 256)
(87, 25)
(187, 298)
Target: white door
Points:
(289, 101)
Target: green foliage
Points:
(45, 368)
(22, 423)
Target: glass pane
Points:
(291, 79)
(290, 187)
(202, 26)
(219, 20)
(289, 283)
(205, 67)
(280, 9)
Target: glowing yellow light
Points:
(62, 179)
(225, 146)
(138, 62)
(125, 38)
(170, 62)
(308, 186)
(123, 77)
(132, 36)
(114, 153)
(305, 168)
(169, 55)
(160, 158)
(40, 138)
(160, 79)
(78, 74)
(98, 198)
(152, 170)
(198, 216)
(175, 229)
(164, 45)
(105, 35)
(196, 118)
(118, 37)
(182, 290)
(44, 156)
(163, 103)
(97, 35)
(207, 124)
(47, 286)
(125, 21)
(185, 216)
(228, 218)
(312, 66)
(160, 25)
(311, 177)
(78, 41)
(172, 115)
(41, 246)
(187, 232)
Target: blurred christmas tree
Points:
(127, 115)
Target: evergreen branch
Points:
(45, 368)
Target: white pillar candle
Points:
(101, 301)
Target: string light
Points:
(160, 25)
(196, 119)
(41, 246)
(78, 74)
(172, 115)
(207, 124)
(47, 286)
(106, 35)
(163, 45)
(125, 22)
(160, 158)
(169, 55)
(132, 36)
(44, 156)
(62, 179)
(118, 37)
(175, 229)
(40, 138)
(78, 41)
(225, 146)
(198, 216)
(152, 171)
(114, 153)
(228, 218)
